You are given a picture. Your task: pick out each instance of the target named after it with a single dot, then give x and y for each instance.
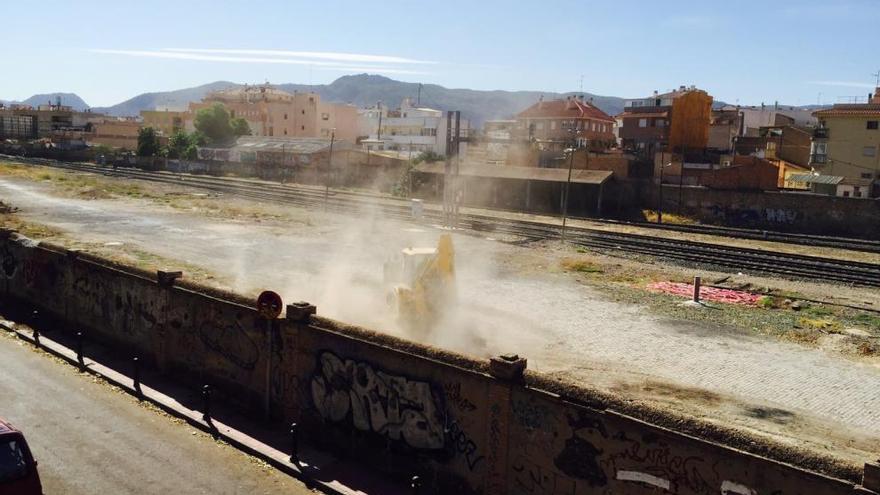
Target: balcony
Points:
(817, 158)
(820, 133)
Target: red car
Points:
(18, 469)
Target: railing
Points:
(820, 133)
(816, 158)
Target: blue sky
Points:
(745, 51)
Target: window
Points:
(869, 151)
(872, 125)
(303, 127)
(867, 175)
(660, 123)
(271, 131)
(845, 194)
(325, 116)
(539, 126)
(303, 111)
(13, 465)
(643, 122)
(285, 132)
(285, 116)
(819, 148)
(553, 125)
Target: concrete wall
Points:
(782, 211)
(462, 424)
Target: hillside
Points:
(364, 89)
(67, 99)
(172, 99)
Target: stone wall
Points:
(465, 425)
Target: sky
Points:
(747, 52)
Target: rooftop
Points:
(570, 108)
(594, 177)
(850, 110)
(282, 144)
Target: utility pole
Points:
(660, 199)
(450, 176)
(327, 173)
(379, 129)
(567, 189)
(419, 97)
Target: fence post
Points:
(79, 350)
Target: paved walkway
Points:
(89, 439)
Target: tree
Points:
(240, 127)
(178, 143)
(148, 142)
(213, 122)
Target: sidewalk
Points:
(264, 440)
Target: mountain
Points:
(171, 99)
(365, 90)
(478, 106)
(67, 99)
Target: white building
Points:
(408, 130)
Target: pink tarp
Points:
(729, 296)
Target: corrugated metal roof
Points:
(521, 173)
(815, 179)
(285, 144)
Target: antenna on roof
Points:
(581, 90)
(877, 76)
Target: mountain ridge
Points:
(363, 90)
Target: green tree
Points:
(191, 152)
(214, 123)
(240, 127)
(178, 143)
(148, 142)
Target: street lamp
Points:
(327, 172)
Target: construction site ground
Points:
(800, 372)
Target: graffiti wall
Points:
(783, 211)
(395, 405)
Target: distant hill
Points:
(173, 99)
(67, 99)
(364, 90)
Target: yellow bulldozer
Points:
(421, 284)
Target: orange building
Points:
(271, 112)
(667, 121)
(558, 124)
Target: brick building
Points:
(670, 121)
(558, 124)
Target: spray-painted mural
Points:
(372, 400)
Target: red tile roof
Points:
(564, 109)
(850, 110)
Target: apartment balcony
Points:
(820, 133)
(818, 159)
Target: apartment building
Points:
(675, 120)
(272, 112)
(847, 143)
(410, 128)
(558, 124)
(26, 122)
(166, 121)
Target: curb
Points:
(216, 429)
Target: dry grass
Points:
(580, 266)
(651, 216)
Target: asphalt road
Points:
(91, 439)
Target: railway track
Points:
(754, 261)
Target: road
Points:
(510, 302)
(91, 439)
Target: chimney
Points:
(540, 101)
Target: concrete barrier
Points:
(463, 425)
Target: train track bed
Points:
(679, 251)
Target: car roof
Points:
(6, 427)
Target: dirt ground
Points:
(804, 374)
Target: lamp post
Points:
(327, 172)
